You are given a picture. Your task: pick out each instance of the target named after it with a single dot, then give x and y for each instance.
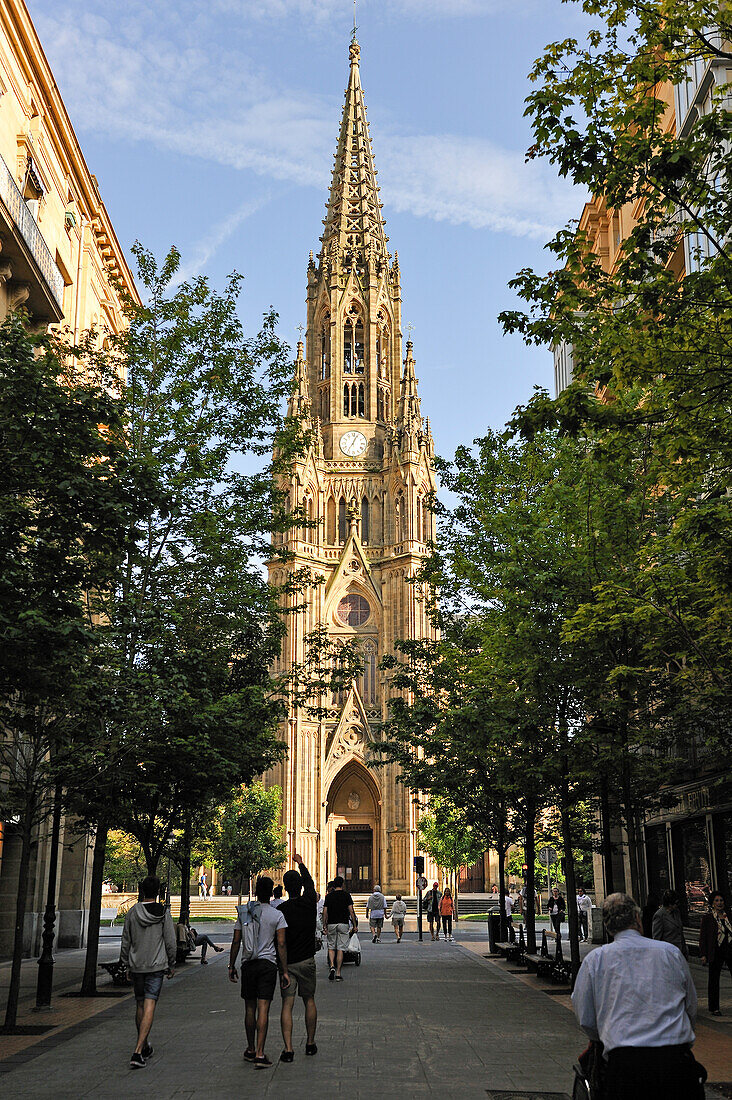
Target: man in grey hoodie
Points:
(148, 951)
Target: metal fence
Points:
(26, 223)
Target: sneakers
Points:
(287, 1056)
(331, 976)
(147, 1051)
(311, 1048)
(373, 939)
(137, 1061)
(204, 962)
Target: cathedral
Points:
(364, 485)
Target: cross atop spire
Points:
(354, 230)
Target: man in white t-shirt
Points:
(584, 908)
(259, 974)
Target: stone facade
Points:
(365, 485)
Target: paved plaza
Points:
(414, 1019)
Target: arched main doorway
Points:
(354, 828)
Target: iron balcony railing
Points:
(31, 234)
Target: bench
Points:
(117, 971)
(109, 913)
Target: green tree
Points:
(124, 863)
(64, 507)
(599, 114)
(447, 836)
(193, 624)
(248, 837)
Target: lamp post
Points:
(44, 985)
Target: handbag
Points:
(249, 919)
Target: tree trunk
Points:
(530, 856)
(502, 849)
(455, 897)
(11, 1010)
(185, 874)
(606, 837)
(89, 980)
(630, 829)
(569, 875)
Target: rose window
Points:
(353, 610)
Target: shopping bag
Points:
(354, 945)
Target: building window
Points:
(365, 520)
(342, 521)
(354, 610)
(361, 401)
(332, 521)
(346, 400)
(368, 683)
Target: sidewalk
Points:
(415, 1019)
(713, 1045)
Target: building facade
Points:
(60, 261)
(364, 486)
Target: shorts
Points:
(147, 986)
(302, 979)
(258, 980)
(398, 922)
(338, 937)
(377, 922)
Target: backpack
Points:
(249, 918)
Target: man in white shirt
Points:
(637, 997)
(259, 974)
(584, 908)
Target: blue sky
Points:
(212, 126)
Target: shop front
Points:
(689, 849)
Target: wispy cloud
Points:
(222, 231)
(157, 82)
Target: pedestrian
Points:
(584, 908)
(447, 911)
(668, 924)
(148, 952)
(494, 889)
(204, 942)
(301, 913)
(259, 973)
(202, 885)
(557, 909)
(339, 924)
(715, 946)
(375, 913)
(432, 909)
(226, 887)
(277, 897)
(398, 913)
(637, 997)
(508, 910)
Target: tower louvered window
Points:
(365, 527)
(342, 521)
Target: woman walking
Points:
(715, 946)
(447, 910)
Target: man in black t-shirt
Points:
(338, 914)
(300, 912)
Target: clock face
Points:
(353, 444)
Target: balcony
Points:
(25, 256)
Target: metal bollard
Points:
(544, 949)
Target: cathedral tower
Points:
(364, 484)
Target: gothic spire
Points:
(354, 227)
(410, 414)
(299, 404)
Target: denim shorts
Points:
(147, 986)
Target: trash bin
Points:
(494, 931)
